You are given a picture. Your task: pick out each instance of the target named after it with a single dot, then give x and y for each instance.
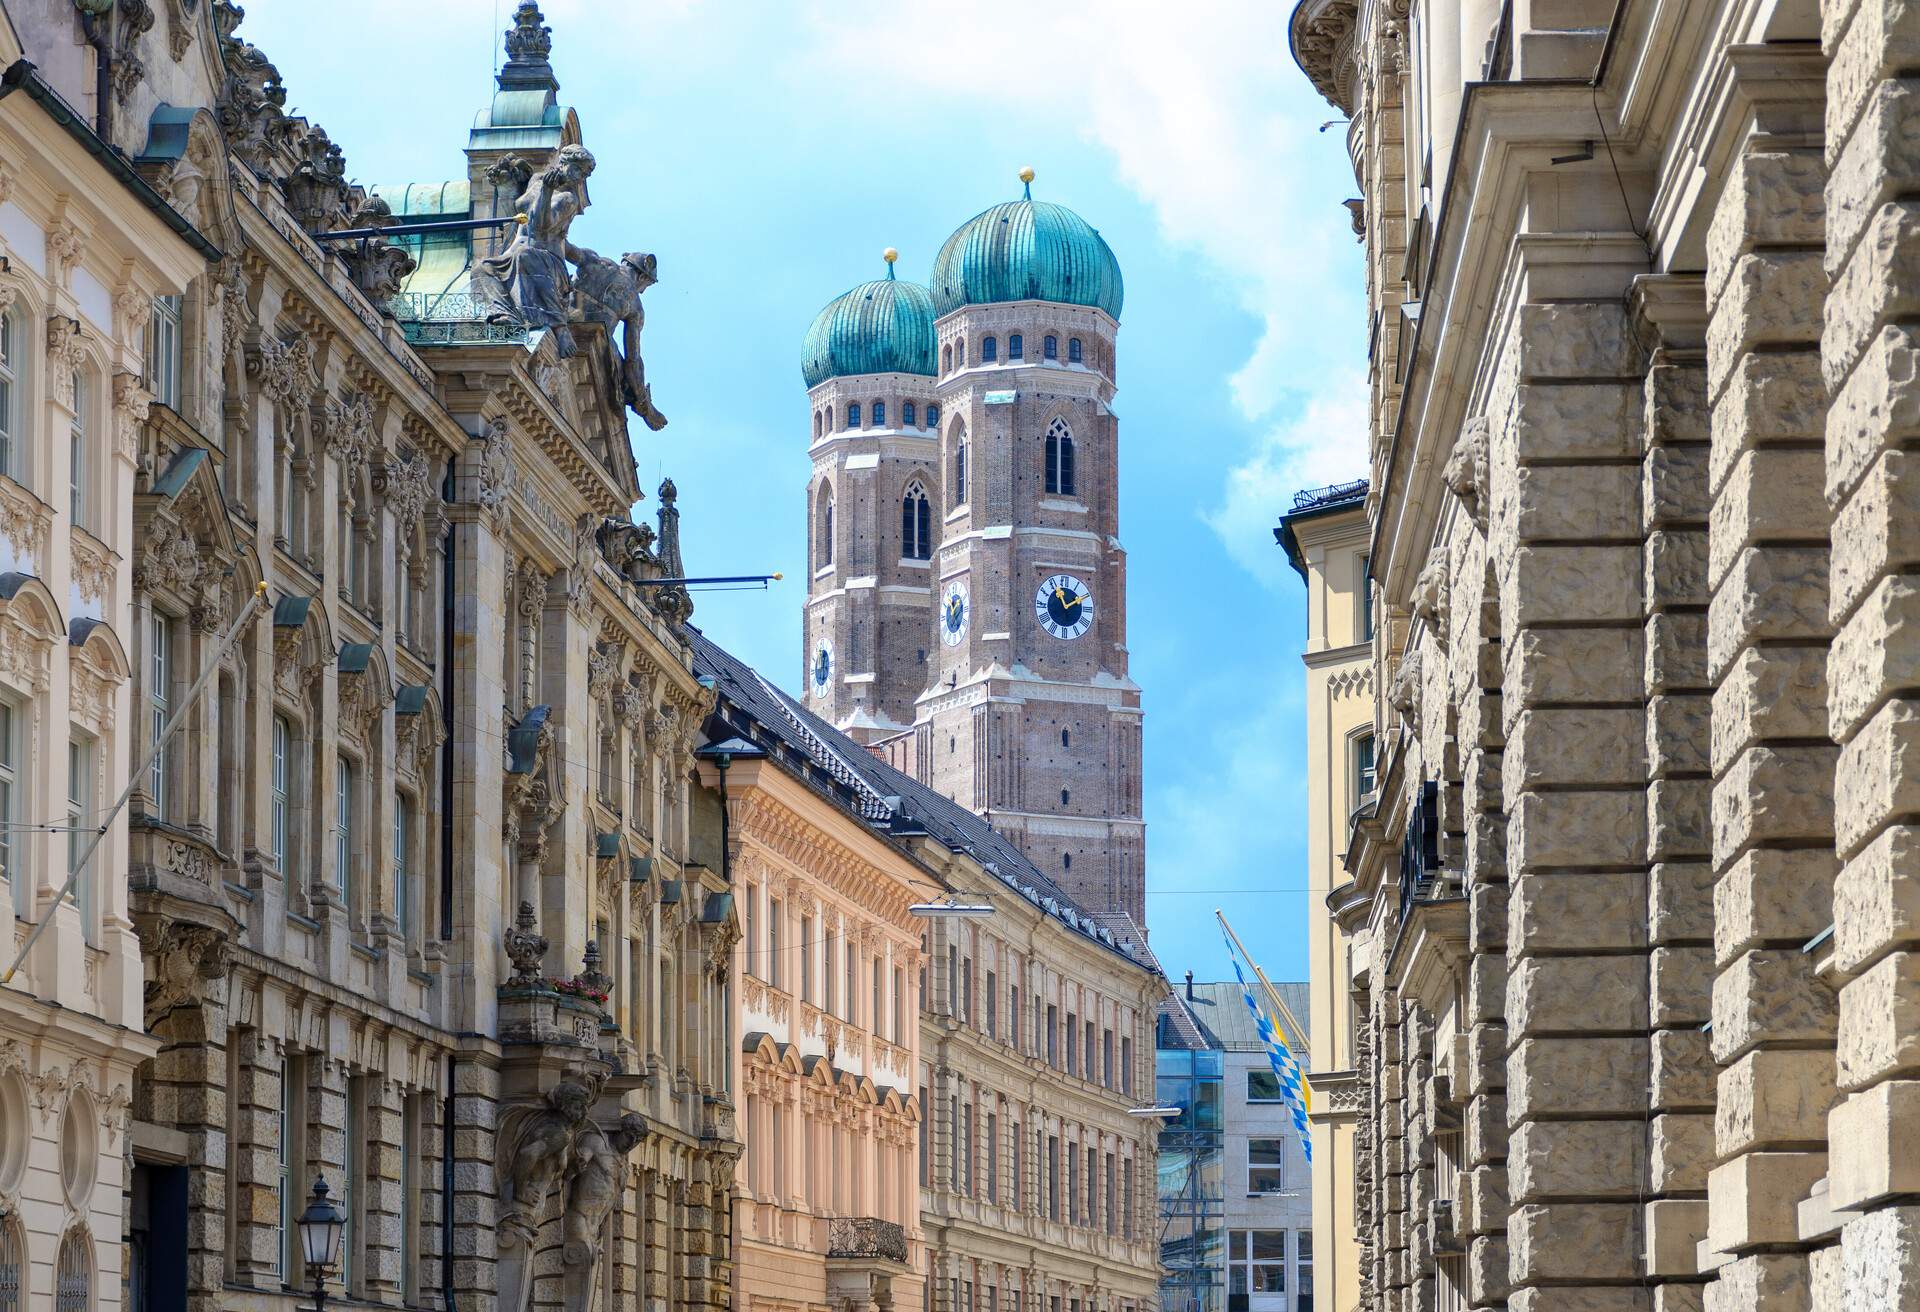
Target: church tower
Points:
(872, 506)
(1028, 714)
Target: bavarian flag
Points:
(1293, 1086)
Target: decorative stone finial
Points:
(526, 947)
(889, 255)
(529, 43)
(1026, 182)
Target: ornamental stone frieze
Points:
(65, 352)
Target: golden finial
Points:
(1026, 180)
(889, 255)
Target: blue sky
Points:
(768, 152)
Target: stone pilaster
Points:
(475, 1202)
(1767, 638)
(1673, 427)
(1869, 354)
(1565, 528)
(382, 1185)
(253, 1151)
(187, 1091)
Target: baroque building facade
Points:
(967, 597)
(1325, 538)
(423, 904)
(1632, 910)
(86, 249)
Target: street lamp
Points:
(321, 1227)
(940, 910)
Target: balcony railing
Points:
(450, 319)
(866, 1237)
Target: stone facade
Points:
(1325, 536)
(1631, 954)
(425, 903)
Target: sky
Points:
(768, 152)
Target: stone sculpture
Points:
(609, 295)
(528, 282)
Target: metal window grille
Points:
(73, 1277)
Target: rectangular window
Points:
(9, 392)
(282, 745)
(1086, 1052)
(993, 1158)
(1073, 1044)
(1256, 1263)
(1113, 1214)
(11, 869)
(163, 351)
(850, 956)
(1303, 1270)
(773, 941)
(1263, 1086)
(966, 990)
(1365, 772)
(1053, 1177)
(402, 872)
(1266, 1163)
(1073, 1186)
(77, 455)
(1019, 1179)
(1126, 1063)
(1126, 1194)
(1016, 347)
(1053, 1036)
(926, 1144)
(79, 821)
(899, 1005)
(964, 1147)
(1106, 1058)
(343, 830)
(1365, 586)
(1013, 1016)
(1093, 1187)
(806, 958)
(993, 1005)
(827, 976)
(880, 999)
(159, 690)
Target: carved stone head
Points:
(645, 269)
(571, 1099)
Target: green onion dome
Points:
(1027, 250)
(880, 327)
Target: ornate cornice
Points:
(1322, 36)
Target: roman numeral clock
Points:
(1063, 606)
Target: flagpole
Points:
(1273, 994)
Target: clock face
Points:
(820, 669)
(1063, 606)
(953, 614)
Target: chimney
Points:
(1189, 986)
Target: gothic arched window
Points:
(1050, 347)
(823, 531)
(1016, 347)
(879, 414)
(853, 414)
(1060, 473)
(960, 467)
(916, 523)
(906, 414)
(1073, 350)
(816, 423)
(989, 349)
(946, 358)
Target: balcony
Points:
(866, 1238)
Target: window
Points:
(1093, 1187)
(1073, 1185)
(402, 874)
(77, 452)
(1365, 587)
(343, 829)
(1073, 1044)
(827, 975)
(1066, 738)
(879, 416)
(1073, 350)
(879, 999)
(1303, 1269)
(1016, 347)
(1106, 1058)
(163, 351)
(965, 1148)
(816, 423)
(1019, 1176)
(283, 1148)
(1050, 347)
(772, 971)
(916, 523)
(960, 470)
(989, 349)
(79, 813)
(1263, 1086)
(993, 1158)
(1256, 1263)
(13, 1263)
(159, 689)
(899, 1005)
(933, 414)
(1013, 1014)
(1053, 1036)
(11, 868)
(906, 414)
(282, 744)
(1053, 1177)
(1060, 471)
(1266, 1159)
(806, 958)
(993, 1005)
(1086, 1053)
(73, 1281)
(926, 1143)
(1113, 1213)
(853, 414)
(1126, 1063)
(1126, 1195)
(12, 341)
(946, 358)
(1365, 774)
(823, 531)
(960, 352)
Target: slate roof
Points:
(893, 803)
(1221, 1013)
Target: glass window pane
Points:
(1263, 1086)
(1269, 1245)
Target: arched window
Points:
(879, 414)
(1066, 738)
(13, 1267)
(960, 353)
(906, 414)
(1016, 347)
(1060, 474)
(816, 423)
(989, 349)
(916, 523)
(853, 414)
(73, 1276)
(946, 358)
(12, 341)
(959, 468)
(1073, 350)
(823, 531)
(1050, 347)
(933, 415)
